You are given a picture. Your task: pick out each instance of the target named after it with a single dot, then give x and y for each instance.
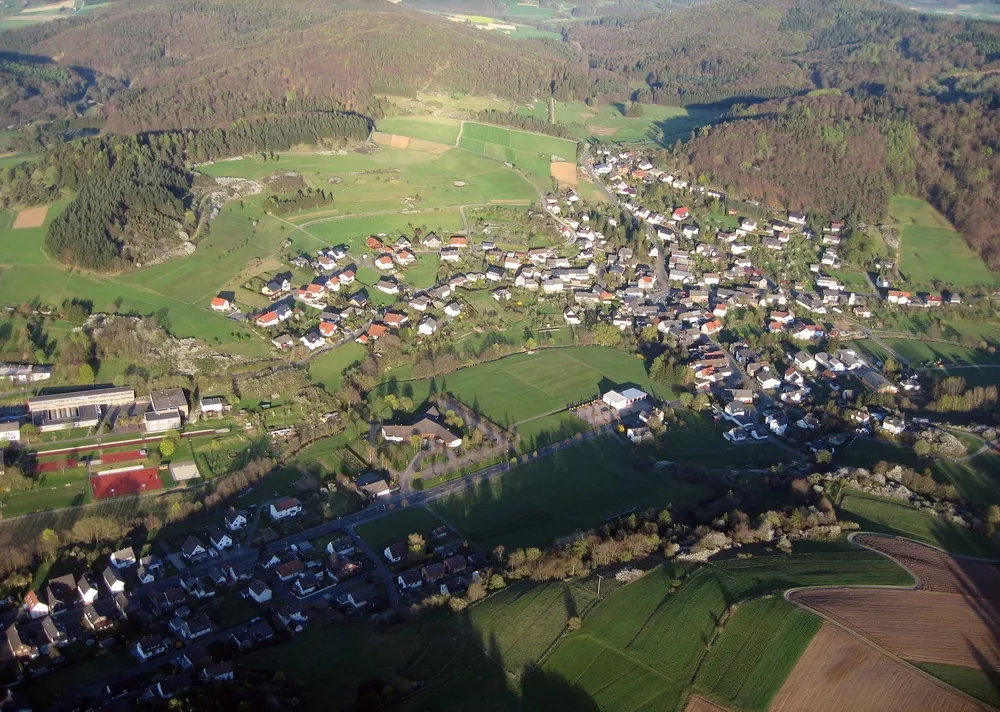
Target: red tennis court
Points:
(54, 466)
(133, 482)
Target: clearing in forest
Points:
(31, 217)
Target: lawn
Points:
(316, 168)
(641, 646)
(932, 250)
(428, 128)
(548, 429)
(574, 489)
(976, 479)
(327, 368)
(524, 386)
(352, 230)
(699, 440)
(397, 525)
(919, 351)
(866, 452)
(757, 650)
(896, 517)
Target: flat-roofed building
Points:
(79, 399)
(183, 471)
(66, 418)
(10, 432)
(159, 422)
(169, 399)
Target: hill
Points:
(202, 63)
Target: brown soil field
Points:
(564, 172)
(31, 217)
(417, 144)
(399, 141)
(839, 673)
(413, 144)
(936, 570)
(915, 625)
(700, 704)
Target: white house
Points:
(113, 581)
(149, 647)
(235, 519)
(571, 318)
(88, 592)
(219, 539)
(286, 508)
(259, 591)
(427, 326)
(123, 558)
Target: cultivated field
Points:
(564, 172)
(936, 570)
(700, 704)
(758, 648)
(411, 144)
(641, 646)
(840, 673)
(30, 217)
(933, 250)
(915, 625)
(531, 153)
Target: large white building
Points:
(624, 400)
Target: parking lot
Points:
(596, 413)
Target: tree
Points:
(921, 448)
(168, 445)
(824, 457)
(496, 582)
(686, 399)
(993, 519)
(416, 543)
(86, 373)
(48, 543)
(530, 344)
(700, 402)
(476, 592)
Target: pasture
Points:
(428, 128)
(327, 368)
(933, 251)
(640, 647)
(756, 651)
(529, 152)
(396, 526)
(608, 122)
(897, 517)
(574, 489)
(524, 386)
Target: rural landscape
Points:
(496, 355)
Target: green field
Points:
(549, 429)
(882, 515)
(981, 684)
(531, 153)
(932, 250)
(574, 489)
(919, 351)
(976, 479)
(640, 648)
(427, 128)
(327, 368)
(701, 441)
(866, 452)
(757, 650)
(395, 526)
(524, 386)
(607, 122)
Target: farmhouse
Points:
(221, 304)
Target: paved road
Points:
(585, 160)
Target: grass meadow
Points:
(397, 525)
(607, 122)
(932, 250)
(895, 517)
(428, 128)
(574, 489)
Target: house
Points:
(218, 672)
(123, 558)
(113, 581)
(427, 427)
(455, 565)
(404, 257)
(877, 382)
(259, 591)
(459, 241)
(570, 317)
(219, 539)
(221, 304)
(213, 405)
(387, 285)
(283, 342)
(306, 584)
(453, 309)
(893, 425)
(804, 361)
(193, 549)
(409, 580)
(235, 519)
(681, 214)
(894, 296)
(427, 326)
(501, 295)
(431, 241)
(808, 332)
(149, 647)
(33, 606)
(145, 575)
(797, 218)
(341, 547)
(286, 508)
(93, 620)
(432, 572)
(394, 553)
(239, 571)
(88, 592)
(251, 634)
(419, 304)
(293, 617)
(191, 628)
(340, 568)
(395, 320)
(289, 570)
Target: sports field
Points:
(574, 489)
(895, 517)
(608, 122)
(125, 483)
(640, 647)
(524, 386)
(933, 250)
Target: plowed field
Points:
(936, 570)
(839, 673)
(915, 625)
(700, 704)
